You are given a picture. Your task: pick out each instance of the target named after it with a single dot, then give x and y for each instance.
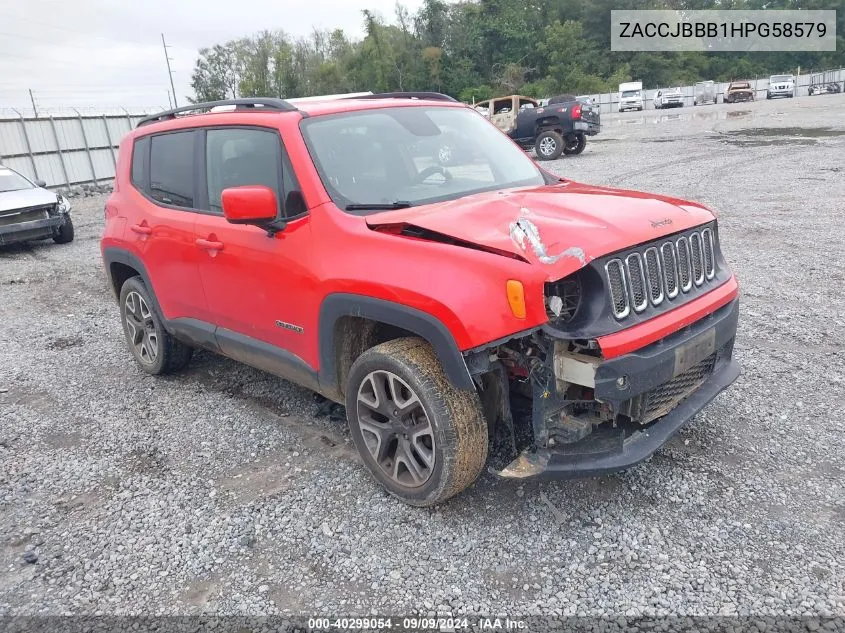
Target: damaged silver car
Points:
(29, 211)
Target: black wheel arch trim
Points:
(422, 324)
(114, 255)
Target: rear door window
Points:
(172, 168)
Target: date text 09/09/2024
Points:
(417, 624)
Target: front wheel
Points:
(575, 144)
(421, 437)
(64, 233)
(548, 145)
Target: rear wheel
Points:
(575, 144)
(153, 348)
(548, 145)
(422, 438)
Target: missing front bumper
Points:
(30, 230)
(640, 400)
(607, 451)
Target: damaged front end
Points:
(592, 412)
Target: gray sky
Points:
(108, 53)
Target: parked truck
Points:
(631, 96)
(669, 98)
(781, 86)
(555, 126)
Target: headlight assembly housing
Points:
(63, 204)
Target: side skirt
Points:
(245, 349)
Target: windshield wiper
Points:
(378, 206)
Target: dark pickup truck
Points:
(559, 127)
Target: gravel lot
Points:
(221, 490)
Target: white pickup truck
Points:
(668, 98)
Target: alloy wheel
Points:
(141, 328)
(548, 146)
(396, 429)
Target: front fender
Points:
(431, 329)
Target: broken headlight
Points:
(63, 203)
(563, 298)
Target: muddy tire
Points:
(548, 145)
(152, 347)
(64, 233)
(421, 437)
(575, 144)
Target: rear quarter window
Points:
(139, 172)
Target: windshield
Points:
(13, 181)
(631, 93)
(739, 86)
(778, 78)
(407, 156)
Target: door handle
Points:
(209, 245)
(141, 229)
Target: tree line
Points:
(477, 49)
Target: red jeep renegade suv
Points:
(325, 242)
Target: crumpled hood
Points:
(559, 227)
(23, 198)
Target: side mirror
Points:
(40, 183)
(252, 204)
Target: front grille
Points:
(618, 288)
(670, 267)
(659, 401)
(661, 270)
(654, 275)
(697, 256)
(709, 265)
(684, 264)
(17, 216)
(636, 281)
(662, 399)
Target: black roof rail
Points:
(258, 104)
(431, 96)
